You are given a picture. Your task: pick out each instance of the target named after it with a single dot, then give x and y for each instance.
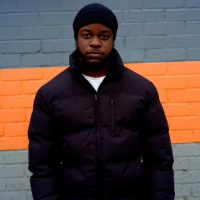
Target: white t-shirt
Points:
(95, 82)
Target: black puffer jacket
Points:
(108, 145)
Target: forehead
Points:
(95, 28)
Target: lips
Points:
(94, 53)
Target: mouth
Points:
(95, 53)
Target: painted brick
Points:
(133, 16)
(184, 176)
(192, 27)
(14, 184)
(19, 47)
(28, 112)
(16, 157)
(183, 41)
(173, 41)
(70, 5)
(187, 95)
(181, 163)
(9, 33)
(182, 136)
(61, 45)
(164, 54)
(38, 6)
(8, 6)
(183, 190)
(20, 75)
(164, 28)
(170, 82)
(10, 87)
(1, 158)
(7, 143)
(11, 171)
(119, 15)
(183, 69)
(186, 150)
(13, 195)
(179, 123)
(21, 101)
(18, 19)
(193, 53)
(163, 4)
(194, 162)
(196, 190)
(42, 59)
(182, 14)
(1, 129)
(56, 18)
(27, 173)
(185, 163)
(130, 30)
(136, 55)
(14, 115)
(192, 3)
(30, 87)
(13, 129)
(149, 69)
(145, 42)
(9, 60)
(195, 109)
(48, 73)
(121, 4)
(177, 109)
(46, 32)
(194, 122)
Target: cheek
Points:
(109, 46)
(81, 46)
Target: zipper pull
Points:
(95, 98)
(112, 101)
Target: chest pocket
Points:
(122, 112)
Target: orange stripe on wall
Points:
(178, 84)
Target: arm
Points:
(43, 154)
(157, 151)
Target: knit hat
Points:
(95, 13)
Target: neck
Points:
(94, 70)
(96, 73)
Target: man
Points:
(98, 130)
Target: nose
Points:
(95, 42)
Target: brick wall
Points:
(39, 33)
(178, 84)
(35, 35)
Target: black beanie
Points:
(95, 13)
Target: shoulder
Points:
(54, 87)
(56, 83)
(138, 82)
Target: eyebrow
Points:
(89, 30)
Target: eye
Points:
(86, 35)
(104, 36)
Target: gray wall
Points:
(39, 32)
(14, 175)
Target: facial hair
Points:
(92, 66)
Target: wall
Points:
(157, 38)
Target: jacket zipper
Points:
(112, 103)
(99, 154)
(96, 127)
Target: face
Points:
(95, 43)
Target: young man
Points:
(98, 130)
